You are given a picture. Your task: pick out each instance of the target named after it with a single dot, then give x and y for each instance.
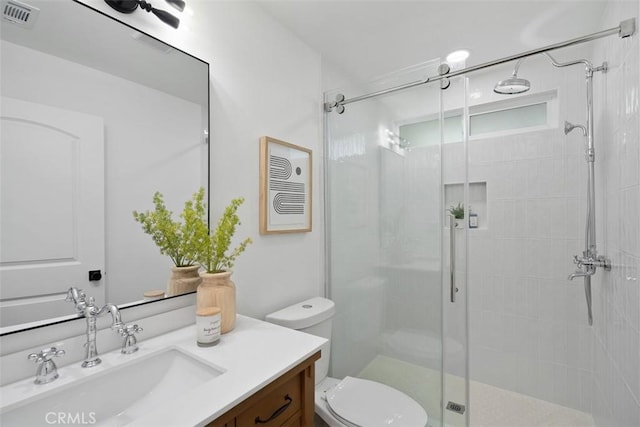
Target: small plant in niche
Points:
(214, 255)
(457, 211)
(180, 241)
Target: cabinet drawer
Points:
(275, 408)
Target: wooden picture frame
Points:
(285, 187)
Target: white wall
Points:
(264, 81)
(616, 390)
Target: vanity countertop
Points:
(251, 356)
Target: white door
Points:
(51, 209)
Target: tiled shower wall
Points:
(528, 329)
(616, 394)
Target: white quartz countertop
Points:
(251, 356)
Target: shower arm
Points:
(557, 64)
(590, 253)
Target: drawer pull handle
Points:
(278, 411)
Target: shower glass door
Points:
(388, 254)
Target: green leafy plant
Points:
(181, 241)
(457, 211)
(214, 255)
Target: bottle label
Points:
(208, 329)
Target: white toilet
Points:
(351, 401)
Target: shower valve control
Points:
(600, 261)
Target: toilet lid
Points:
(369, 403)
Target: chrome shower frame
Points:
(626, 28)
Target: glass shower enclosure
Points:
(465, 311)
(389, 246)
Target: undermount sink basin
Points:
(115, 396)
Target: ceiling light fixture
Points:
(129, 6)
(457, 56)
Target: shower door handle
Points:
(452, 256)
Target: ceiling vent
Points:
(19, 13)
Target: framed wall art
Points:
(285, 187)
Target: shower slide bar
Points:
(625, 29)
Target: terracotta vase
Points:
(183, 280)
(217, 290)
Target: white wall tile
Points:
(527, 375)
(616, 352)
(587, 391)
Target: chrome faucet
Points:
(587, 265)
(91, 312)
(582, 273)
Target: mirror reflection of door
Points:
(51, 209)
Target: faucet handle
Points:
(130, 342)
(46, 354)
(47, 370)
(125, 330)
(129, 330)
(75, 295)
(133, 329)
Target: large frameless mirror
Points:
(95, 118)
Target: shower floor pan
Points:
(490, 406)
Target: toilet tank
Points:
(313, 316)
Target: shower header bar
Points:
(625, 29)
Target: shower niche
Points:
(454, 196)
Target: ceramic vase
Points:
(217, 290)
(183, 280)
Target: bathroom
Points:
(266, 79)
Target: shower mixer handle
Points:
(591, 263)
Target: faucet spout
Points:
(580, 273)
(116, 321)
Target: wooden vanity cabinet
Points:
(287, 401)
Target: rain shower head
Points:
(512, 86)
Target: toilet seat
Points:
(364, 403)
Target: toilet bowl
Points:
(349, 401)
(355, 402)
